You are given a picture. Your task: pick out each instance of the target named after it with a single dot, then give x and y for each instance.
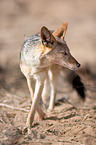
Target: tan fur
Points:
(42, 62)
(60, 32)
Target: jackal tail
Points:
(77, 84)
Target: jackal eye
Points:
(64, 53)
(44, 43)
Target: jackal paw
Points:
(24, 130)
(50, 109)
(43, 117)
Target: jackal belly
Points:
(29, 71)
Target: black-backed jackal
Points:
(42, 56)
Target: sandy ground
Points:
(72, 122)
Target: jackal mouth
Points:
(72, 67)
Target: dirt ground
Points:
(72, 122)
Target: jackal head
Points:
(56, 49)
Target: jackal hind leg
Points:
(46, 92)
(36, 98)
(53, 75)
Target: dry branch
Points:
(13, 108)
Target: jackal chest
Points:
(29, 71)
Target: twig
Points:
(14, 108)
(2, 121)
(4, 92)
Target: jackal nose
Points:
(78, 64)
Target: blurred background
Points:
(22, 18)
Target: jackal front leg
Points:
(31, 85)
(53, 75)
(37, 94)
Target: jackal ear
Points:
(47, 39)
(60, 32)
